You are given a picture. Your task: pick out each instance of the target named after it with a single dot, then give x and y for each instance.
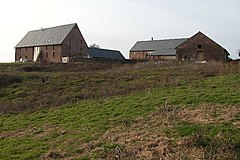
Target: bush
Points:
(34, 68)
(8, 79)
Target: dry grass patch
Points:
(147, 139)
(209, 114)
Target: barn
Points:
(155, 49)
(201, 48)
(197, 48)
(98, 53)
(52, 44)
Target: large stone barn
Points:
(52, 44)
(201, 48)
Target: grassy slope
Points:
(82, 129)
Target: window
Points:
(81, 48)
(70, 39)
(46, 55)
(81, 41)
(26, 57)
(46, 47)
(25, 48)
(53, 47)
(20, 49)
(53, 54)
(70, 47)
(199, 46)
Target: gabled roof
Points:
(46, 36)
(158, 47)
(105, 53)
(202, 34)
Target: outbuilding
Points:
(155, 49)
(201, 48)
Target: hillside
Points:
(99, 110)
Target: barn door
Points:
(36, 53)
(200, 56)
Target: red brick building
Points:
(155, 49)
(201, 48)
(198, 48)
(52, 44)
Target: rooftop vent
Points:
(152, 38)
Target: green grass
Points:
(228, 132)
(90, 119)
(64, 129)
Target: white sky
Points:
(118, 24)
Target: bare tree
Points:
(94, 46)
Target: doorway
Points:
(200, 56)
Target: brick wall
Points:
(142, 55)
(163, 57)
(138, 55)
(200, 47)
(74, 44)
(26, 52)
(51, 53)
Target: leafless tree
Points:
(94, 46)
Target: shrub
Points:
(34, 68)
(8, 79)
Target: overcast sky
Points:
(118, 24)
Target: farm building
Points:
(197, 48)
(155, 49)
(52, 44)
(105, 54)
(201, 48)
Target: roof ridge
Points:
(163, 40)
(53, 27)
(104, 49)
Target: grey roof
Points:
(159, 47)
(46, 36)
(105, 53)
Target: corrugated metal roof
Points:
(159, 47)
(105, 53)
(46, 36)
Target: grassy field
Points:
(120, 111)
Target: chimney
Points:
(152, 38)
(42, 29)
